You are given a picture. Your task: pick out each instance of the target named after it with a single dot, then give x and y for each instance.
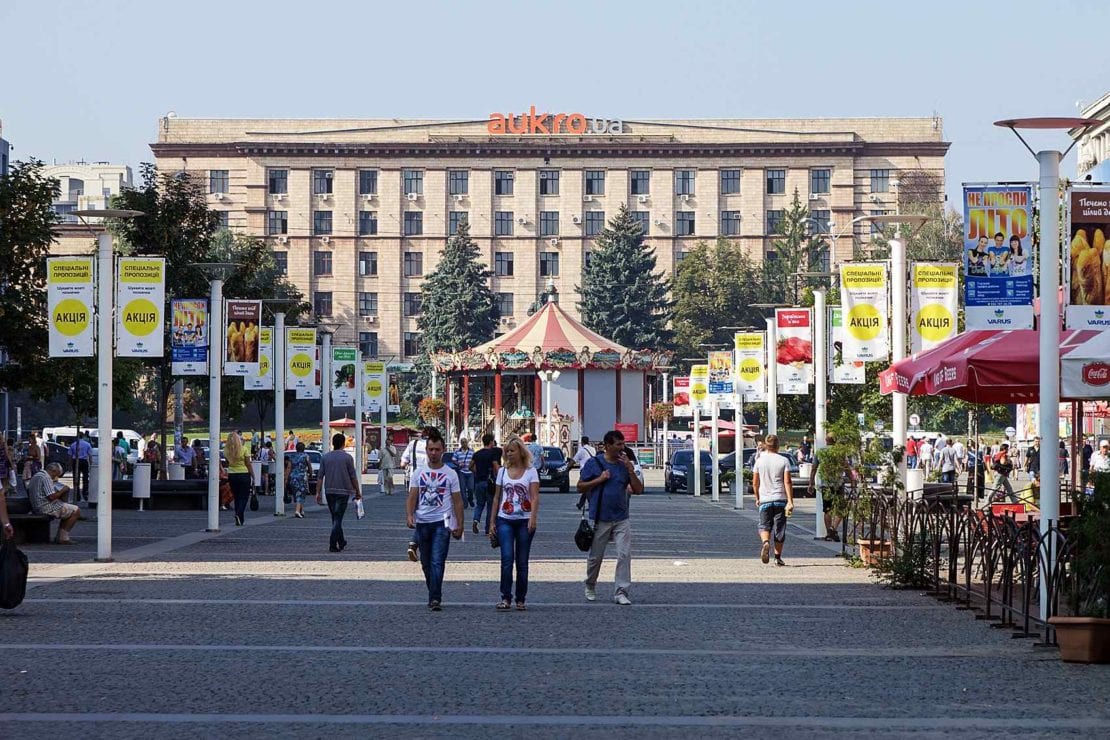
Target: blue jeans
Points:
(337, 505)
(483, 493)
(466, 483)
(433, 539)
(516, 544)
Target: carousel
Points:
(593, 383)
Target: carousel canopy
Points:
(550, 339)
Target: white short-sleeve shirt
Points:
(516, 494)
(435, 494)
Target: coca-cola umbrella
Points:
(986, 366)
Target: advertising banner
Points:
(343, 381)
(1087, 279)
(751, 355)
(300, 363)
(840, 370)
(721, 379)
(998, 257)
(243, 319)
(794, 350)
(189, 336)
(865, 294)
(680, 396)
(263, 380)
(934, 303)
(374, 386)
(140, 306)
(70, 292)
(699, 387)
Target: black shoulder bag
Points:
(584, 536)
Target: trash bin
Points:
(915, 482)
(805, 470)
(140, 483)
(176, 471)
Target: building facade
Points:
(86, 185)
(5, 152)
(1093, 156)
(358, 211)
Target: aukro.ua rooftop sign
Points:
(551, 123)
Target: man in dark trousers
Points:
(338, 482)
(484, 465)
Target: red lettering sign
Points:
(1096, 373)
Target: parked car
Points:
(800, 483)
(314, 460)
(555, 472)
(677, 471)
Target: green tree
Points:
(621, 296)
(800, 248)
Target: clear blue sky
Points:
(90, 79)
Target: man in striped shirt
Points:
(463, 456)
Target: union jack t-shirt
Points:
(435, 489)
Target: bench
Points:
(191, 493)
(31, 528)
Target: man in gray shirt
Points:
(48, 497)
(774, 497)
(338, 481)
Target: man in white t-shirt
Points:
(413, 458)
(584, 453)
(435, 511)
(947, 462)
(925, 456)
(774, 497)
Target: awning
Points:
(1085, 371)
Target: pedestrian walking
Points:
(297, 467)
(238, 474)
(774, 497)
(33, 462)
(948, 464)
(1100, 461)
(338, 482)
(484, 465)
(80, 453)
(434, 510)
(585, 452)
(414, 458)
(534, 450)
(911, 453)
(387, 461)
(517, 498)
(605, 482)
(463, 457)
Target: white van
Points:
(66, 436)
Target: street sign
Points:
(915, 420)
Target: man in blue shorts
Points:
(774, 497)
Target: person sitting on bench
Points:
(48, 497)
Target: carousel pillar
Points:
(618, 395)
(465, 402)
(581, 403)
(497, 405)
(449, 392)
(537, 402)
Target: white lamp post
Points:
(277, 306)
(105, 347)
(548, 377)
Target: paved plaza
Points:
(260, 632)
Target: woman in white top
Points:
(518, 504)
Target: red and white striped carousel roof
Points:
(550, 328)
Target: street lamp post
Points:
(105, 347)
(772, 367)
(277, 307)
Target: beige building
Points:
(358, 210)
(86, 185)
(1093, 156)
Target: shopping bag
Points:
(13, 575)
(360, 510)
(254, 503)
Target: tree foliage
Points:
(621, 296)
(459, 309)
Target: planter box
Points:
(872, 552)
(1083, 639)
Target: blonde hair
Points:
(233, 449)
(525, 455)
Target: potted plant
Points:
(1084, 636)
(431, 410)
(662, 411)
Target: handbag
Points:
(494, 542)
(254, 502)
(13, 575)
(584, 536)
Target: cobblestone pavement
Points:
(258, 631)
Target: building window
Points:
(595, 182)
(281, 262)
(588, 257)
(278, 182)
(679, 257)
(684, 182)
(65, 212)
(367, 304)
(458, 182)
(414, 264)
(502, 182)
(820, 221)
(413, 304)
(774, 220)
(549, 264)
(222, 219)
(820, 181)
(877, 228)
(880, 181)
(549, 182)
(367, 182)
(503, 264)
(321, 182)
(823, 263)
(413, 181)
(595, 222)
(321, 262)
(730, 182)
(367, 223)
(412, 343)
(321, 223)
(643, 218)
(503, 223)
(684, 223)
(776, 182)
(367, 264)
(505, 304)
(640, 182)
(321, 303)
(454, 218)
(730, 223)
(414, 223)
(218, 181)
(277, 222)
(368, 343)
(549, 223)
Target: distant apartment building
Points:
(5, 152)
(86, 185)
(1093, 155)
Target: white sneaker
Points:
(622, 599)
(591, 594)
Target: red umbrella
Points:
(987, 366)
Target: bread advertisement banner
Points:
(751, 356)
(998, 257)
(934, 303)
(189, 336)
(140, 306)
(681, 396)
(794, 350)
(1087, 277)
(242, 320)
(70, 290)
(263, 380)
(865, 294)
(840, 370)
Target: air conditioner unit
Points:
(371, 319)
(218, 196)
(814, 196)
(642, 198)
(660, 222)
(507, 320)
(553, 241)
(685, 197)
(283, 240)
(576, 219)
(412, 196)
(279, 196)
(459, 197)
(587, 198)
(522, 220)
(325, 239)
(369, 196)
(323, 196)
